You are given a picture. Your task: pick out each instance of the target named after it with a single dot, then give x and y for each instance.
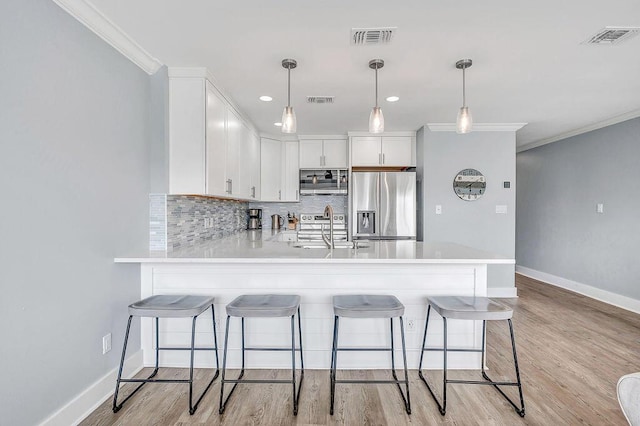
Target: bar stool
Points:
(369, 306)
(264, 306)
(169, 306)
(475, 309)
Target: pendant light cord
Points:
(464, 98)
(289, 86)
(376, 86)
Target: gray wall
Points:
(74, 182)
(472, 223)
(559, 186)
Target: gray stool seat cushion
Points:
(367, 306)
(171, 306)
(470, 308)
(628, 397)
(264, 305)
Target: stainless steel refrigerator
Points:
(384, 205)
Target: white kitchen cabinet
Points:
(212, 150)
(279, 170)
(291, 175)
(187, 168)
(382, 151)
(323, 153)
(216, 142)
(254, 161)
(271, 161)
(234, 140)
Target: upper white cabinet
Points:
(323, 153)
(383, 151)
(212, 150)
(291, 176)
(279, 170)
(271, 169)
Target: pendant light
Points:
(376, 119)
(464, 121)
(289, 124)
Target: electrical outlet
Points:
(106, 343)
(411, 325)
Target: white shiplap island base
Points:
(250, 262)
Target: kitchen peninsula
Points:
(256, 262)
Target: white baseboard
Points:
(605, 296)
(91, 398)
(502, 292)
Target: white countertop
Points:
(264, 247)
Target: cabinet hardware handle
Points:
(228, 191)
(379, 158)
(383, 158)
(253, 192)
(279, 195)
(296, 194)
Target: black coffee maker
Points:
(255, 219)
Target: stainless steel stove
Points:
(311, 227)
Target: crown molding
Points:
(405, 133)
(595, 126)
(104, 28)
(477, 127)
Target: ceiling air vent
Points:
(613, 35)
(364, 36)
(320, 99)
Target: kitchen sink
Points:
(322, 245)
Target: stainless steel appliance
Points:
(319, 182)
(311, 226)
(277, 221)
(255, 219)
(384, 205)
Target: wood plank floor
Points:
(571, 349)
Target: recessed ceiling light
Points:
(265, 98)
(393, 99)
(278, 124)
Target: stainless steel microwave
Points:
(321, 182)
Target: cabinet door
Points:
(270, 169)
(310, 154)
(396, 151)
(335, 153)
(254, 164)
(216, 139)
(244, 164)
(365, 151)
(187, 168)
(291, 177)
(234, 140)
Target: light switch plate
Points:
(600, 208)
(501, 209)
(438, 209)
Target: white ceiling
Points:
(528, 61)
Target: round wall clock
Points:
(469, 184)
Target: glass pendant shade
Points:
(376, 120)
(464, 121)
(289, 124)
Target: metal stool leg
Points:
(116, 407)
(406, 371)
(334, 361)
(441, 407)
(519, 410)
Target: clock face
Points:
(469, 184)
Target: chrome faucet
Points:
(328, 213)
